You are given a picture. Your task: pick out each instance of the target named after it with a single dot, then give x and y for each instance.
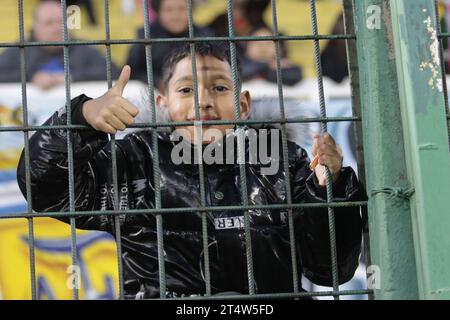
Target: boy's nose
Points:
(204, 99)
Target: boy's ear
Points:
(161, 101)
(246, 105)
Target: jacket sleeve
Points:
(49, 170)
(312, 228)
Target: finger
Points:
(326, 148)
(331, 156)
(315, 148)
(324, 160)
(328, 139)
(123, 115)
(129, 107)
(114, 122)
(121, 83)
(313, 164)
(316, 144)
(107, 128)
(330, 161)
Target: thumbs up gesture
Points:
(111, 112)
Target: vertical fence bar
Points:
(73, 235)
(353, 69)
(156, 169)
(392, 251)
(199, 152)
(323, 114)
(295, 276)
(117, 231)
(23, 77)
(241, 147)
(423, 112)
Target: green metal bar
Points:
(73, 234)
(186, 210)
(263, 296)
(240, 150)
(23, 78)
(324, 129)
(171, 40)
(117, 232)
(284, 141)
(198, 149)
(186, 123)
(389, 217)
(353, 69)
(155, 160)
(426, 140)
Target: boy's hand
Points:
(111, 112)
(329, 155)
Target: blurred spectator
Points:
(172, 22)
(89, 8)
(246, 13)
(44, 65)
(334, 56)
(151, 13)
(259, 60)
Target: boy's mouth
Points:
(204, 118)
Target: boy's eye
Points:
(185, 90)
(220, 88)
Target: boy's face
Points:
(215, 94)
(173, 15)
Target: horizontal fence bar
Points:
(184, 123)
(184, 210)
(173, 40)
(279, 295)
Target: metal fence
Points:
(406, 145)
(357, 68)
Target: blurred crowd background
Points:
(169, 19)
(96, 251)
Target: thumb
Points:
(122, 82)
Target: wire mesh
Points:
(158, 211)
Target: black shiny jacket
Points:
(183, 242)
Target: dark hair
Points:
(219, 50)
(254, 11)
(156, 5)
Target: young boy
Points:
(183, 242)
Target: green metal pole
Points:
(426, 140)
(392, 250)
